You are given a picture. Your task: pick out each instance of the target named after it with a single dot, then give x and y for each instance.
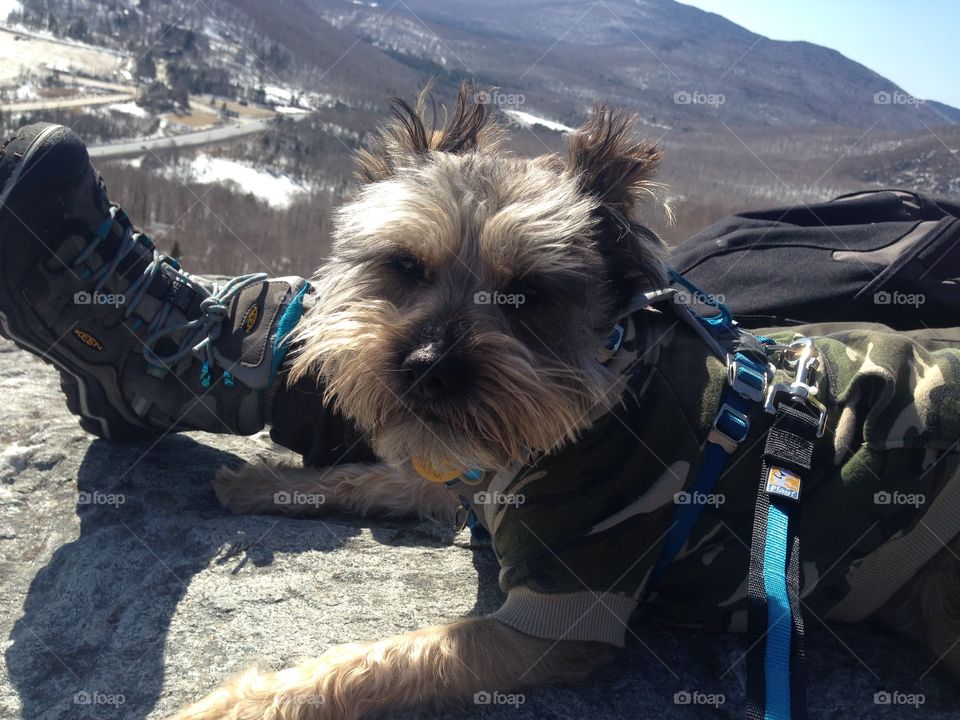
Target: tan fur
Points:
(927, 610)
(360, 488)
(392, 145)
(430, 668)
(474, 220)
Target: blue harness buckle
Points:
(747, 378)
(730, 428)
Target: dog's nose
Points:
(432, 372)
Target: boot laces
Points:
(199, 334)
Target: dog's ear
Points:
(609, 163)
(410, 135)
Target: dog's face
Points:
(460, 317)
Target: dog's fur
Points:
(443, 213)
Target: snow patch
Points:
(17, 458)
(9, 6)
(528, 119)
(290, 110)
(275, 189)
(129, 108)
(26, 91)
(278, 94)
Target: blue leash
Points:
(774, 687)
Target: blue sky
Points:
(914, 44)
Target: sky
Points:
(914, 44)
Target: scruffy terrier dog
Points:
(462, 322)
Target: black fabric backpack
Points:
(887, 256)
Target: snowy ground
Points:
(277, 190)
(526, 119)
(33, 54)
(9, 6)
(122, 582)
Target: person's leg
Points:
(143, 346)
(300, 421)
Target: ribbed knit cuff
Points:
(598, 617)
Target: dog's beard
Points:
(517, 404)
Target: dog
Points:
(478, 320)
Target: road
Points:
(102, 84)
(133, 148)
(68, 102)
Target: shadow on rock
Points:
(90, 642)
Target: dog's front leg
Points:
(429, 668)
(366, 489)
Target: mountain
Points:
(947, 112)
(746, 121)
(671, 62)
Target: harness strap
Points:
(747, 377)
(730, 428)
(775, 687)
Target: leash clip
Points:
(804, 386)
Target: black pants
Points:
(301, 422)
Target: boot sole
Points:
(86, 394)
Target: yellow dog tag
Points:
(434, 473)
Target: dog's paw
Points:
(249, 488)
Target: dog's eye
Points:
(407, 265)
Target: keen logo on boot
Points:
(250, 318)
(87, 339)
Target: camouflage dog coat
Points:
(578, 530)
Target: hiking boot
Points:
(143, 346)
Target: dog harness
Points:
(621, 524)
(775, 618)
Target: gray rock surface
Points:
(121, 578)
